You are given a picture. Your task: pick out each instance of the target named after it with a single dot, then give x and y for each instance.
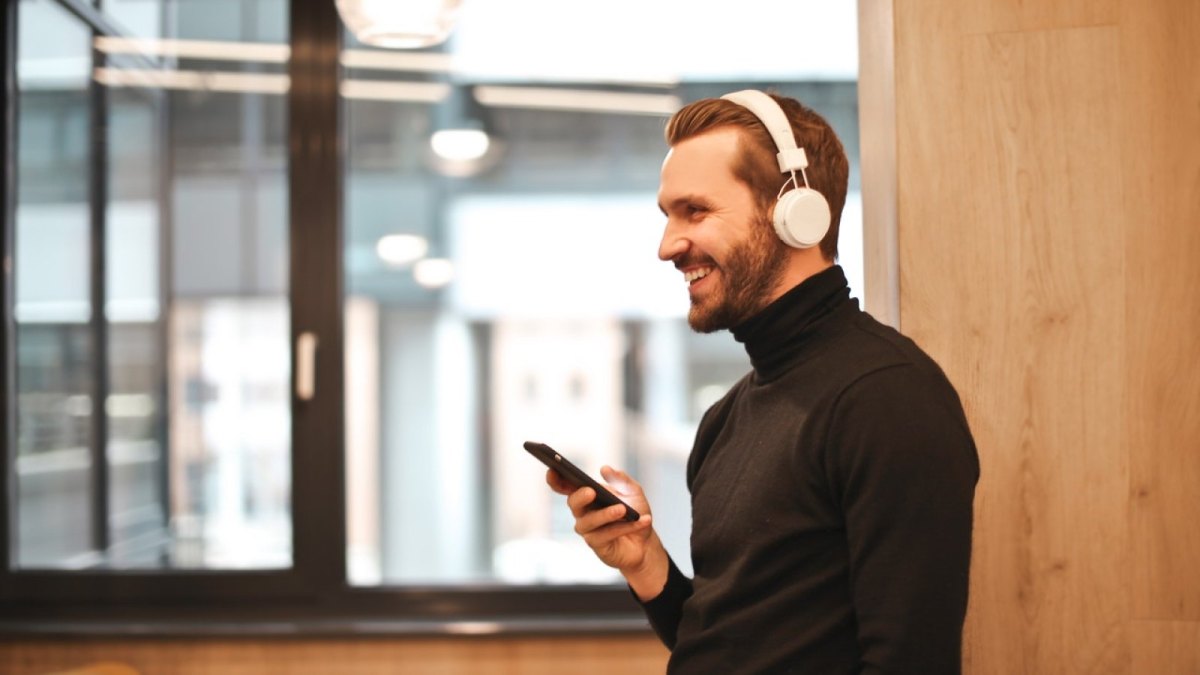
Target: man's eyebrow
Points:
(684, 199)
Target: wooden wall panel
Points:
(1053, 536)
(1032, 294)
(493, 656)
(1166, 647)
(1048, 227)
(1160, 59)
(1006, 16)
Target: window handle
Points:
(306, 366)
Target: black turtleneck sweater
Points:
(832, 493)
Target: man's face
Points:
(715, 233)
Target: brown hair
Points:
(828, 169)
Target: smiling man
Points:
(832, 486)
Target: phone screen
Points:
(577, 477)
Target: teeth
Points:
(693, 275)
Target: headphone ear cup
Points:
(802, 217)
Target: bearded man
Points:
(832, 486)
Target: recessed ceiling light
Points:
(398, 250)
(433, 272)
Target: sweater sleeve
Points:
(906, 467)
(665, 610)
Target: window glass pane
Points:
(186, 464)
(520, 297)
(256, 21)
(54, 377)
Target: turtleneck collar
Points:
(775, 336)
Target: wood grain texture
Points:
(1166, 647)
(1048, 159)
(494, 656)
(1023, 16)
(1160, 59)
(1053, 538)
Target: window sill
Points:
(319, 628)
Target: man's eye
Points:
(695, 209)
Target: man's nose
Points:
(673, 242)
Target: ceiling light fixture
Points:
(460, 145)
(463, 142)
(399, 24)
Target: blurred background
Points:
(500, 276)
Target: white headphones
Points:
(802, 214)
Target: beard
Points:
(748, 278)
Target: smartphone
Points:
(575, 476)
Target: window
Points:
(239, 363)
(150, 313)
(556, 322)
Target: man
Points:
(832, 487)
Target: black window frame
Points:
(314, 595)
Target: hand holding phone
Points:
(578, 478)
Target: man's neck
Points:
(802, 264)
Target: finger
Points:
(579, 500)
(604, 536)
(556, 483)
(593, 520)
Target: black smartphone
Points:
(577, 477)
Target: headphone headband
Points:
(801, 216)
(790, 157)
